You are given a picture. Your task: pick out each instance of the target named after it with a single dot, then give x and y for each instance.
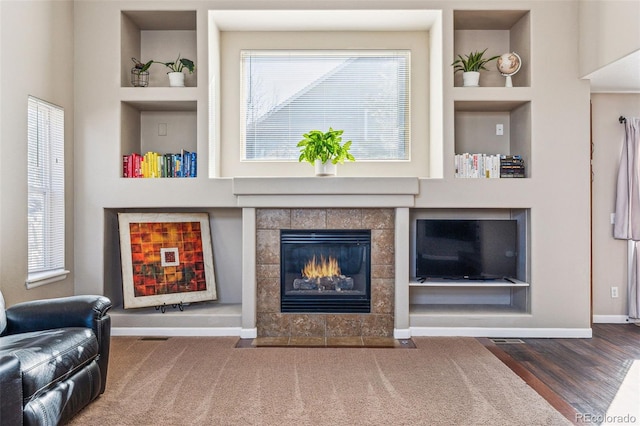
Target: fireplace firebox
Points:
(325, 271)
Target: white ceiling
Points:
(622, 76)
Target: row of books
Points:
(511, 166)
(156, 165)
(489, 166)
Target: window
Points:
(288, 93)
(45, 172)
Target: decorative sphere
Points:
(509, 63)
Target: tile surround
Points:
(271, 322)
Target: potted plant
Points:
(471, 66)
(324, 151)
(140, 73)
(176, 75)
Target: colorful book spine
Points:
(156, 165)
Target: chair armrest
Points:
(45, 314)
(10, 390)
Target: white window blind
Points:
(45, 171)
(288, 93)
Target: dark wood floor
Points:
(577, 376)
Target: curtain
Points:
(627, 224)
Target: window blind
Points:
(45, 172)
(288, 93)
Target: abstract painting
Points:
(167, 258)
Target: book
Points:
(156, 165)
(477, 166)
(512, 166)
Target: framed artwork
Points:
(167, 258)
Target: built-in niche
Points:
(226, 237)
(452, 294)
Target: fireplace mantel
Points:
(332, 193)
(325, 191)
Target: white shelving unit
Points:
(478, 110)
(467, 283)
(158, 117)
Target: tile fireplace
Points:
(361, 240)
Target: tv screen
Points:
(466, 249)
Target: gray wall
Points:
(609, 254)
(36, 54)
(608, 32)
(558, 196)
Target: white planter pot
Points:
(471, 79)
(325, 169)
(176, 79)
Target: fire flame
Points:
(325, 268)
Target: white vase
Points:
(470, 79)
(325, 169)
(176, 79)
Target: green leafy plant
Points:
(474, 61)
(179, 64)
(140, 67)
(324, 146)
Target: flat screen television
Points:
(466, 249)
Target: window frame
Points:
(45, 185)
(224, 97)
(402, 94)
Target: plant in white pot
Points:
(176, 74)
(470, 65)
(324, 150)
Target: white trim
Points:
(401, 333)
(324, 20)
(610, 319)
(248, 333)
(43, 278)
(502, 332)
(176, 331)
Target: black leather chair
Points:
(54, 355)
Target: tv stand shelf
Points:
(422, 311)
(466, 283)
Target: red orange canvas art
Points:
(166, 258)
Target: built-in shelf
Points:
(439, 296)
(200, 315)
(476, 123)
(159, 35)
(159, 96)
(479, 111)
(416, 311)
(467, 283)
(158, 118)
(166, 127)
(498, 31)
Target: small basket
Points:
(139, 78)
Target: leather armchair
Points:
(54, 355)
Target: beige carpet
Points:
(207, 381)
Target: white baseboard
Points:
(401, 333)
(176, 331)
(248, 333)
(611, 319)
(502, 332)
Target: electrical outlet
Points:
(614, 292)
